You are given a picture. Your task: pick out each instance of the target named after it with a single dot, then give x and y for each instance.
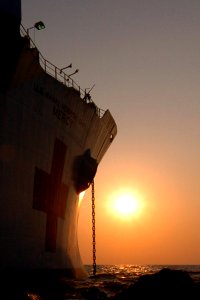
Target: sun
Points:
(125, 204)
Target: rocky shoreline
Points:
(45, 285)
(165, 284)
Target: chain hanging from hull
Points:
(93, 230)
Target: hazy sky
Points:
(144, 58)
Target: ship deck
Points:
(60, 75)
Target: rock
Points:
(93, 293)
(165, 284)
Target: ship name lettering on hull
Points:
(67, 119)
(60, 110)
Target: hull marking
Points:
(50, 194)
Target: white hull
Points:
(51, 140)
(44, 127)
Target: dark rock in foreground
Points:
(33, 284)
(45, 285)
(165, 284)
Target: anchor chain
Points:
(93, 230)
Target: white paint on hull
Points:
(36, 113)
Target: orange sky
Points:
(143, 57)
(165, 231)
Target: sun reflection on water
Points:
(33, 296)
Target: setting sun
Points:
(125, 204)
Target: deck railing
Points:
(58, 74)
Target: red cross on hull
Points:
(50, 194)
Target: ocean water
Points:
(109, 281)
